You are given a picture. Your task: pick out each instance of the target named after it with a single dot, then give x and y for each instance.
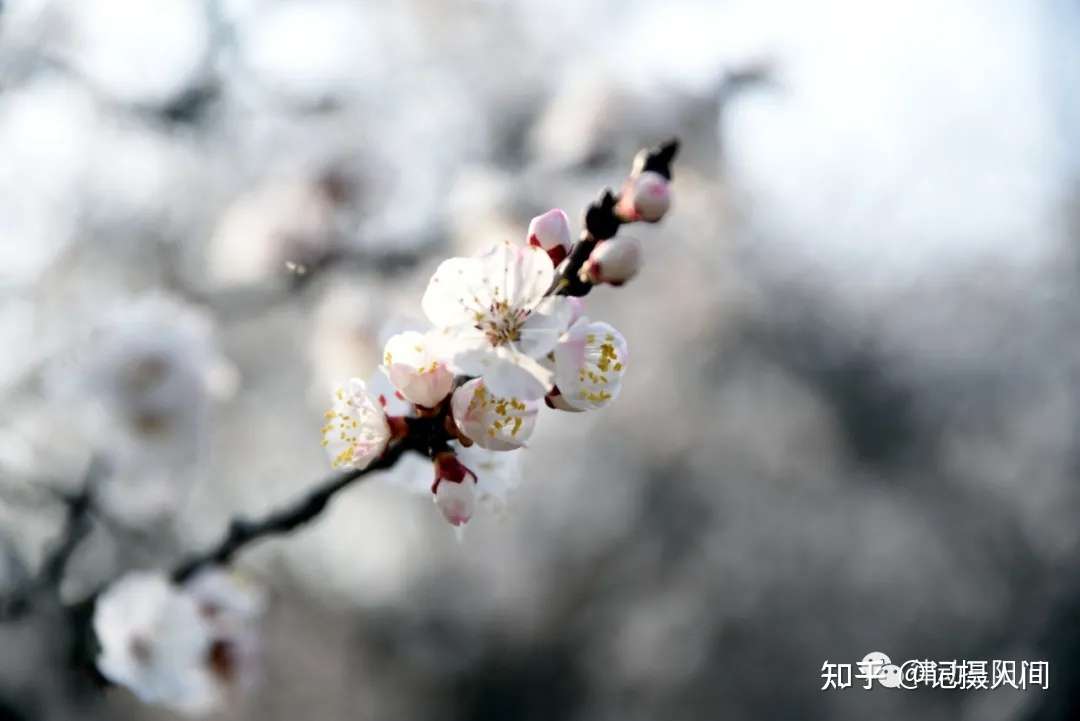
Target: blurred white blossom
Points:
(155, 641)
(183, 647)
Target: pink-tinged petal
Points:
(416, 370)
(550, 230)
(454, 489)
(651, 196)
(456, 501)
(614, 261)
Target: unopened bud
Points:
(454, 490)
(551, 231)
(650, 195)
(613, 261)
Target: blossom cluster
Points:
(508, 333)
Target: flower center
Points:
(502, 323)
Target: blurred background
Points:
(850, 421)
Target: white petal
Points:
(517, 274)
(590, 361)
(507, 372)
(406, 348)
(387, 395)
(544, 326)
(498, 474)
(493, 422)
(450, 298)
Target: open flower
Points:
(590, 360)
(356, 430)
(155, 641)
(492, 422)
(497, 317)
(416, 370)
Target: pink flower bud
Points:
(551, 231)
(454, 490)
(613, 261)
(651, 196)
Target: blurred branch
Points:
(243, 532)
(77, 525)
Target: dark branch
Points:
(77, 525)
(242, 532)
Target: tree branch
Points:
(243, 532)
(77, 526)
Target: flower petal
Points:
(520, 275)
(356, 430)
(544, 326)
(451, 295)
(589, 364)
(493, 422)
(506, 372)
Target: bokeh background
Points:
(850, 421)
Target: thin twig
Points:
(243, 532)
(77, 525)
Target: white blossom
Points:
(140, 392)
(356, 430)
(590, 360)
(493, 422)
(416, 370)
(499, 321)
(184, 647)
(155, 641)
